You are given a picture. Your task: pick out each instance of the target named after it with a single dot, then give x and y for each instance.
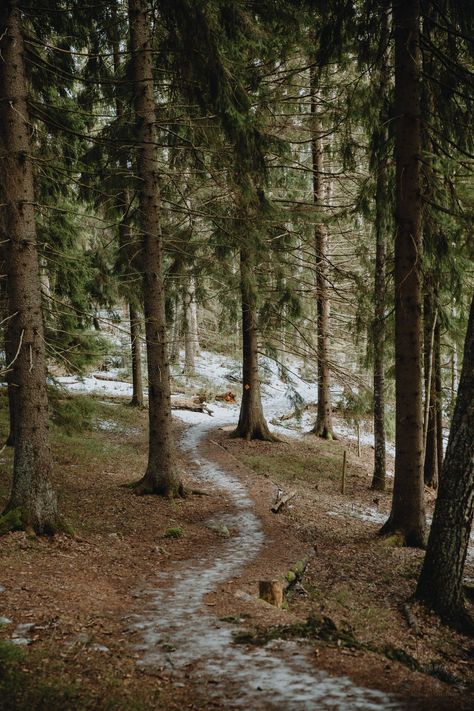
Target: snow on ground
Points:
(96, 385)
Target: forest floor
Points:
(83, 618)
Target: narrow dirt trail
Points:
(182, 635)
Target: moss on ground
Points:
(22, 688)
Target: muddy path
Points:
(182, 634)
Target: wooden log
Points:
(296, 572)
(281, 501)
(108, 378)
(193, 404)
(271, 591)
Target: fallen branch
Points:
(281, 501)
(274, 591)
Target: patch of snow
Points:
(95, 386)
(360, 512)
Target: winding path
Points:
(181, 634)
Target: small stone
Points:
(5, 621)
(21, 641)
(99, 648)
(2, 589)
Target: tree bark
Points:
(32, 494)
(430, 465)
(126, 242)
(191, 337)
(407, 517)
(378, 327)
(252, 423)
(323, 424)
(438, 390)
(161, 476)
(440, 581)
(9, 346)
(175, 333)
(137, 379)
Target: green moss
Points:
(395, 540)
(315, 628)
(174, 532)
(21, 691)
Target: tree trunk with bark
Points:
(32, 496)
(378, 331)
(407, 517)
(135, 336)
(378, 327)
(440, 581)
(161, 476)
(9, 346)
(191, 337)
(438, 388)
(174, 331)
(430, 464)
(126, 242)
(252, 423)
(323, 425)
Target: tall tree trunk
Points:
(323, 425)
(161, 476)
(378, 330)
(32, 494)
(440, 581)
(126, 242)
(9, 346)
(137, 379)
(10, 353)
(378, 327)
(430, 466)
(191, 337)
(252, 423)
(407, 517)
(438, 395)
(175, 333)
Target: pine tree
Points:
(323, 425)
(161, 476)
(407, 516)
(32, 498)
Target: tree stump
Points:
(271, 591)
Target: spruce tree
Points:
(407, 516)
(32, 503)
(161, 476)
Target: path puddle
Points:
(180, 634)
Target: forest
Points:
(236, 355)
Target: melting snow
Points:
(179, 633)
